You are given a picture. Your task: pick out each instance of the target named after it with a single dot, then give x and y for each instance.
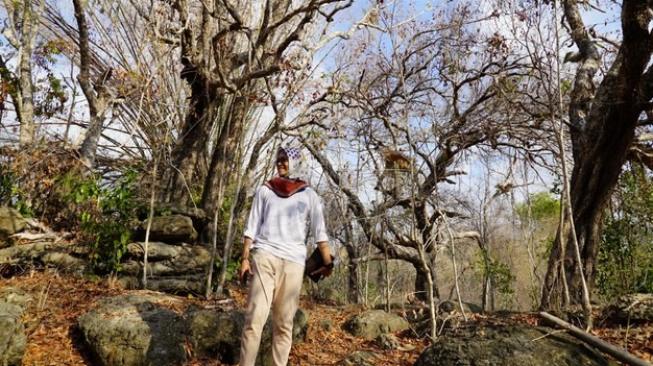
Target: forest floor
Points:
(53, 338)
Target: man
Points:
(276, 233)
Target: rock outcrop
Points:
(13, 340)
(148, 328)
(135, 329)
(11, 222)
(43, 253)
(177, 269)
(372, 323)
(509, 346)
(632, 307)
(217, 334)
(170, 229)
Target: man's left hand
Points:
(324, 271)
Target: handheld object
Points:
(314, 263)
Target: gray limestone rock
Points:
(11, 222)
(135, 329)
(13, 340)
(634, 307)
(372, 323)
(171, 229)
(217, 334)
(509, 346)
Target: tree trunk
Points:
(26, 102)
(354, 294)
(97, 103)
(88, 150)
(191, 142)
(421, 282)
(600, 139)
(221, 168)
(587, 219)
(21, 34)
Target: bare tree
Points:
(96, 94)
(603, 122)
(20, 30)
(415, 110)
(227, 50)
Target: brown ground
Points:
(54, 340)
(59, 299)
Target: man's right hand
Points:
(245, 271)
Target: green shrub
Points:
(12, 195)
(500, 275)
(543, 206)
(625, 260)
(105, 215)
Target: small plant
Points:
(12, 195)
(233, 268)
(105, 216)
(500, 276)
(625, 259)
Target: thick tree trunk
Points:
(421, 283)
(223, 160)
(601, 137)
(191, 143)
(587, 220)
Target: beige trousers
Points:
(275, 283)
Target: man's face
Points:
(282, 164)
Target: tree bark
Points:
(421, 282)
(21, 27)
(354, 293)
(602, 130)
(191, 142)
(224, 152)
(97, 103)
(26, 99)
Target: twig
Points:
(548, 334)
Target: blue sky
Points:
(420, 9)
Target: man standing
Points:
(276, 232)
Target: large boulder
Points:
(18, 254)
(179, 285)
(198, 215)
(135, 329)
(448, 306)
(634, 307)
(161, 251)
(64, 262)
(11, 222)
(170, 229)
(12, 330)
(217, 334)
(189, 259)
(372, 323)
(509, 346)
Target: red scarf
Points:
(284, 187)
